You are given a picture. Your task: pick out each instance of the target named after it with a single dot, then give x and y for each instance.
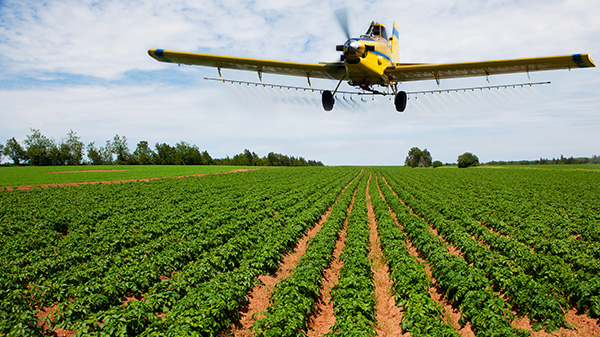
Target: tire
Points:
(328, 100)
(400, 101)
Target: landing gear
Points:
(328, 100)
(400, 101)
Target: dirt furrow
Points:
(30, 187)
(389, 315)
(583, 325)
(260, 294)
(452, 315)
(324, 318)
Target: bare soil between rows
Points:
(389, 315)
(31, 187)
(583, 325)
(88, 171)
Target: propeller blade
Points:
(342, 18)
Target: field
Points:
(344, 251)
(14, 176)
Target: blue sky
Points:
(83, 65)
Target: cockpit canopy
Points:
(377, 29)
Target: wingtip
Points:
(158, 54)
(591, 60)
(584, 60)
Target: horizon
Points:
(83, 66)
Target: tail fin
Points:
(394, 44)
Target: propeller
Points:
(342, 18)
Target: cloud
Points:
(83, 65)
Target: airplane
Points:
(372, 60)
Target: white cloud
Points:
(83, 65)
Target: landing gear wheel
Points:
(328, 100)
(400, 101)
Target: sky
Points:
(83, 65)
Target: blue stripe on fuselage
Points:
(382, 55)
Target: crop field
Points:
(342, 251)
(25, 176)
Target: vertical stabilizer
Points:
(394, 44)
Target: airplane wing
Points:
(418, 72)
(334, 70)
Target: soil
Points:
(584, 325)
(452, 315)
(45, 313)
(324, 319)
(79, 171)
(389, 315)
(30, 187)
(259, 295)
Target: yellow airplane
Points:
(370, 60)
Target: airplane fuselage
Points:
(367, 57)
(368, 67)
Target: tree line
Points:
(422, 158)
(39, 150)
(545, 161)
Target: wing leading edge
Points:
(400, 72)
(418, 72)
(335, 71)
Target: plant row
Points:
(466, 286)
(155, 242)
(293, 299)
(422, 316)
(523, 292)
(353, 296)
(578, 284)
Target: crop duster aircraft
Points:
(372, 60)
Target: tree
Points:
(1, 153)
(189, 154)
(143, 154)
(120, 150)
(73, 148)
(437, 163)
(60, 155)
(206, 158)
(467, 159)
(40, 148)
(15, 151)
(273, 159)
(94, 154)
(106, 153)
(418, 158)
(167, 155)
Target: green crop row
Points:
(88, 248)
(524, 293)
(422, 316)
(353, 296)
(293, 299)
(466, 286)
(548, 259)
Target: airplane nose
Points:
(353, 48)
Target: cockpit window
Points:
(383, 33)
(377, 30)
